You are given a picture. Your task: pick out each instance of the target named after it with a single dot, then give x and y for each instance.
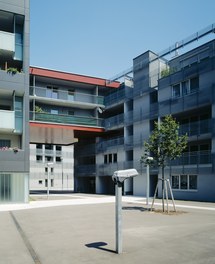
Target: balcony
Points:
(114, 122)
(64, 97)
(193, 158)
(7, 43)
(203, 96)
(114, 142)
(85, 170)
(114, 98)
(196, 128)
(65, 119)
(7, 120)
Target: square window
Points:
(58, 159)
(40, 182)
(39, 158)
(58, 148)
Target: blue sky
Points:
(101, 37)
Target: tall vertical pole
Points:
(147, 184)
(118, 190)
(48, 183)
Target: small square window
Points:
(40, 182)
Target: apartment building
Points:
(81, 129)
(112, 124)
(64, 108)
(182, 86)
(14, 100)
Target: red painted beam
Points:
(72, 77)
(75, 128)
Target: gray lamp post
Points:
(49, 164)
(119, 177)
(148, 179)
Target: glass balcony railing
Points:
(65, 119)
(104, 145)
(114, 98)
(196, 128)
(114, 121)
(193, 158)
(66, 95)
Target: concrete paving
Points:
(81, 229)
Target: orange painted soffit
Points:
(77, 128)
(72, 77)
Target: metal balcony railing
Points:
(193, 158)
(114, 121)
(66, 95)
(104, 145)
(196, 128)
(65, 119)
(86, 170)
(114, 98)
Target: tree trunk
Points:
(163, 188)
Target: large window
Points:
(52, 92)
(110, 158)
(185, 87)
(184, 182)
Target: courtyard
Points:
(81, 229)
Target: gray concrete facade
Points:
(14, 103)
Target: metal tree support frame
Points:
(166, 186)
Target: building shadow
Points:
(100, 245)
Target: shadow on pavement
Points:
(137, 208)
(99, 245)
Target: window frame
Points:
(188, 176)
(182, 91)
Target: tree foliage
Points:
(165, 143)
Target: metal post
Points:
(166, 191)
(118, 190)
(48, 176)
(62, 171)
(48, 183)
(147, 184)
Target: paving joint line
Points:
(26, 240)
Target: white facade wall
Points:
(61, 173)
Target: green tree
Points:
(164, 144)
